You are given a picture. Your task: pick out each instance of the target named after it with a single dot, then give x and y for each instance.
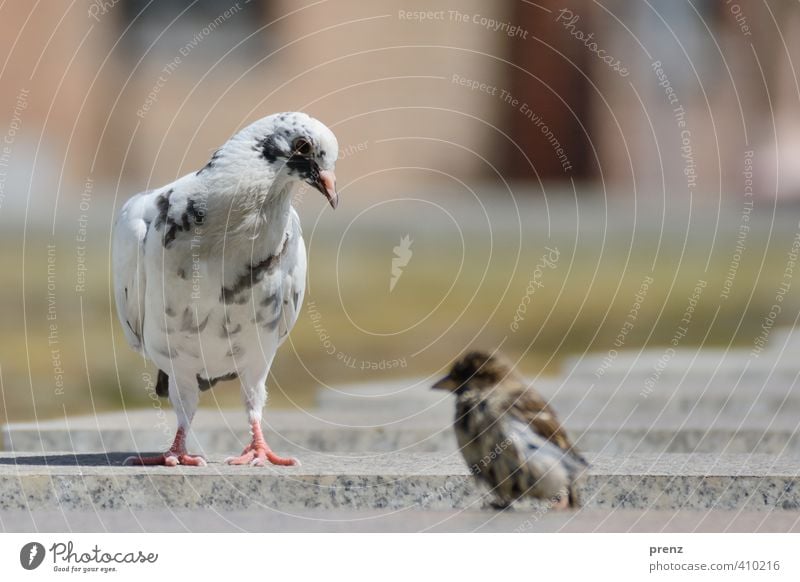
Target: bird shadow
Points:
(76, 460)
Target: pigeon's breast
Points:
(204, 322)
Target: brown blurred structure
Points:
(141, 92)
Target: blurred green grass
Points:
(448, 298)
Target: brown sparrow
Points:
(508, 435)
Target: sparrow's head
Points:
(291, 146)
(476, 370)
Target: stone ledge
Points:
(299, 432)
(380, 481)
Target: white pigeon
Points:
(209, 271)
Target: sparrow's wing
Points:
(294, 280)
(526, 405)
(128, 265)
(541, 451)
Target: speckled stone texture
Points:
(379, 481)
(330, 430)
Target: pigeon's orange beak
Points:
(326, 183)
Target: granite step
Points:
(298, 432)
(756, 360)
(399, 481)
(648, 393)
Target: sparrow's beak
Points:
(326, 183)
(446, 383)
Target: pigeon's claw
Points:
(258, 453)
(168, 459)
(176, 455)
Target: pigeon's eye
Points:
(301, 146)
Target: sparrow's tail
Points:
(162, 384)
(574, 497)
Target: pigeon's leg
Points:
(257, 453)
(184, 401)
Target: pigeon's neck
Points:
(259, 215)
(272, 219)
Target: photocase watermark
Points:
(679, 116)
(100, 8)
(82, 236)
(352, 149)
(489, 458)
(760, 341)
(169, 69)
(20, 105)
(548, 260)
(740, 18)
(526, 110)
(67, 559)
(630, 321)
(402, 256)
(31, 555)
(344, 358)
(680, 332)
(744, 227)
(51, 315)
(195, 244)
(568, 19)
(541, 511)
(150, 388)
(508, 28)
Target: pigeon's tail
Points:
(162, 384)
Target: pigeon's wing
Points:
(130, 230)
(294, 279)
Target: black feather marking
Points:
(166, 353)
(271, 325)
(196, 212)
(251, 276)
(162, 384)
(188, 321)
(170, 233)
(305, 167)
(192, 214)
(205, 384)
(236, 350)
(133, 331)
(269, 300)
(269, 148)
(210, 163)
(162, 203)
(226, 331)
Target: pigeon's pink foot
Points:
(258, 453)
(176, 455)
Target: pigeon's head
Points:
(285, 147)
(476, 370)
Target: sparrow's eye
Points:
(301, 146)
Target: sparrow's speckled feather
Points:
(509, 436)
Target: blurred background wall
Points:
(629, 140)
